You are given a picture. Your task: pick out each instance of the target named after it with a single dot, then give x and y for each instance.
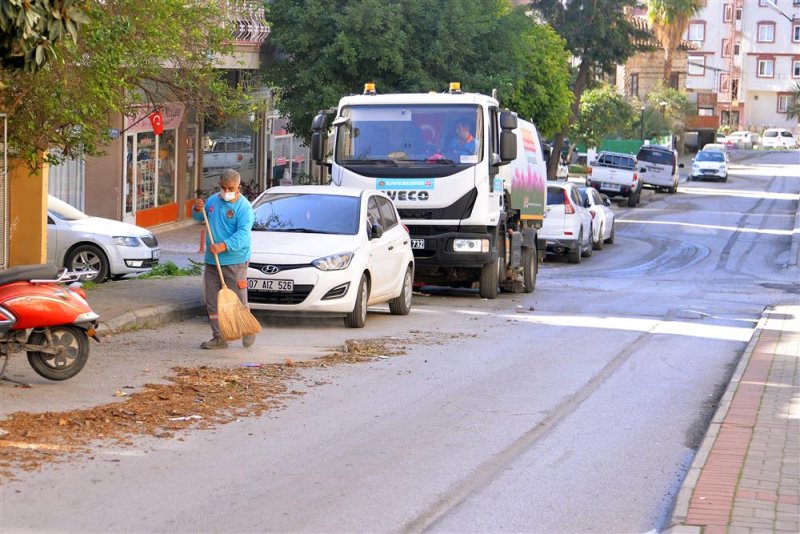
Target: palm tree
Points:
(793, 110)
(669, 19)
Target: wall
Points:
(27, 215)
(103, 183)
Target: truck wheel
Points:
(489, 279)
(530, 266)
(633, 199)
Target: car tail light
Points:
(568, 208)
(590, 171)
(635, 177)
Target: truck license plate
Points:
(611, 187)
(272, 286)
(418, 243)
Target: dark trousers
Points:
(236, 280)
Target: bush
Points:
(170, 269)
(578, 169)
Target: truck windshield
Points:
(400, 135)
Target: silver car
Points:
(113, 249)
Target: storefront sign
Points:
(171, 117)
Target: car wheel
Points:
(574, 255)
(530, 267)
(358, 317)
(401, 304)
(489, 278)
(674, 189)
(88, 258)
(598, 245)
(610, 240)
(588, 250)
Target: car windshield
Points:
(307, 213)
(393, 135)
(710, 156)
(771, 133)
(62, 210)
(659, 157)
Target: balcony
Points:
(702, 122)
(248, 21)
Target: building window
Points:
(674, 80)
(766, 32)
(705, 112)
(766, 68)
(634, 89)
(735, 89)
(763, 3)
(726, 48)
(738, 13)
(696, 66)
(724, 83)
(697, 31)
(736, 48)
(796, 68)
(783, 102)
(796, 33)
(727, 13)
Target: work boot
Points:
(214, 343)
(247, 341)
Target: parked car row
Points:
(772, 138)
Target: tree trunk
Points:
(558, 141)
(667, 63)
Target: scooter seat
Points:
(22, 273)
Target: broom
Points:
(235, 319)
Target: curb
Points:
(681, 510)
(152, 316)
(794, 249)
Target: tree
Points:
(669, 19)
(673, 106)
(603, 112)
(599, 34)
(327, 52)
(793, 109)
(129, 54)
(29, 30)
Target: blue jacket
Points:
(230, 223)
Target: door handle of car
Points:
(391, 247)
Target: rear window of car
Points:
(771, 133)
(659, 157)
(617, 160)
(307, 213)
(555, 195)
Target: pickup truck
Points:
(615, 174)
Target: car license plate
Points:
(417, 243)
(156, 254)
(274, 286)
(611, 187)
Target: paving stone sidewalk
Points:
(746, 476)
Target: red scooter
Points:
(41, 314)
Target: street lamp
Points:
(641, 125)
(774, 7)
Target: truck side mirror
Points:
(317, 147)
(508, 120)
(508, 147)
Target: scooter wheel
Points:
(73, 354)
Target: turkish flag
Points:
(157, 121)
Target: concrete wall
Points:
(27, 215)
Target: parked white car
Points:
(111, 248)
(603, 216)
(567, 226)
(329, 250)
(710, 164)
(742, 139)
(778, 138)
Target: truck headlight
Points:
(470, 245)
(334, 262)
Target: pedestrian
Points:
(463, 142)
(230, 217)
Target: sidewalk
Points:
(746, 475)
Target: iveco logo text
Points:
(408, 195)
(270, 269)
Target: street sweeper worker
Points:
(230, 218)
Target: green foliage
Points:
(603, 113)
(330, 49)
(673, 107)
(118, 63)
(669, 19)
(29, 30)
(793, 109)
(169, 268)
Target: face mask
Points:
(229, 196)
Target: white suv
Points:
(778, 138)
(567, 226)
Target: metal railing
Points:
(248, 20)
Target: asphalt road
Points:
(576, 408)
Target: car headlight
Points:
(126, 241)
(695, 168)
(334, 262)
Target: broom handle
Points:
(211, 238)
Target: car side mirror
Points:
(680, 165)
(376, 231)
(642, 169)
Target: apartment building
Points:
(745, 62)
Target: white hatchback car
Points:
(602, 216)
(567, 225)
(710, 164)
(111, 248)
(329, 250)
(778, 138)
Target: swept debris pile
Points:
(198, 397)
